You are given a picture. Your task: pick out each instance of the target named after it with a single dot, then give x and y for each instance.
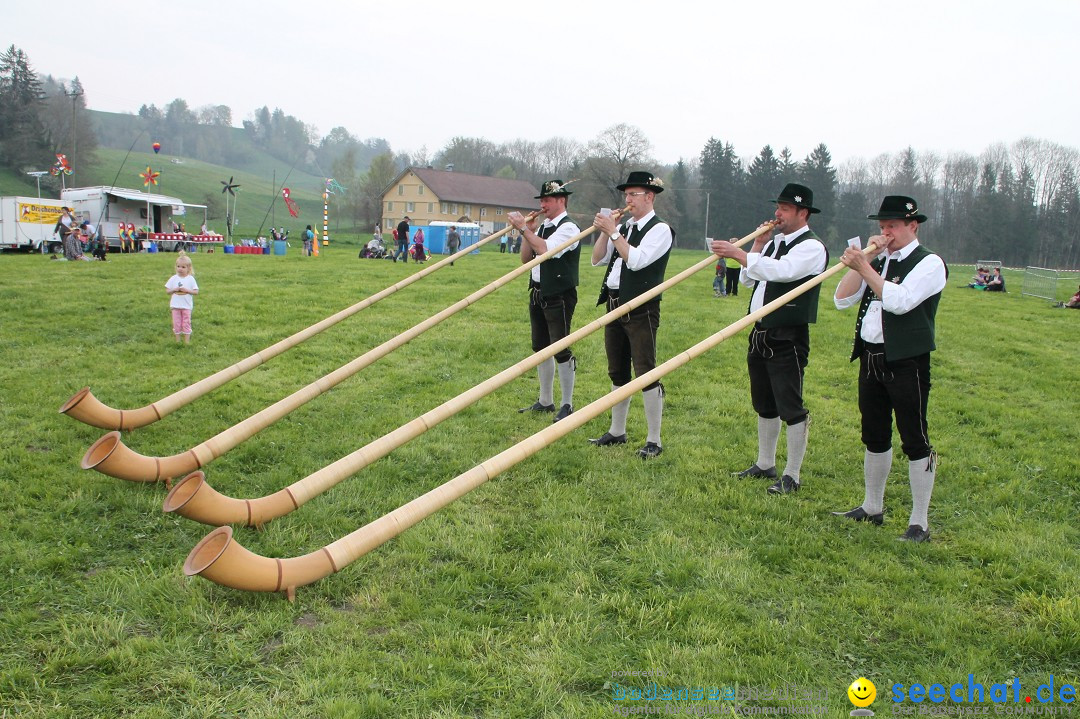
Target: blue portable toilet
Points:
(435, 235)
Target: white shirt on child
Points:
(181, 301)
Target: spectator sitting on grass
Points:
(996, 282)
(1073, 303)
(978, 282)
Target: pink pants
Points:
(181, 321)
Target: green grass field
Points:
(523, 598)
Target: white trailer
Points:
(26, 223)
(109, 207)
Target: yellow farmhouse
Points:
(428, 195)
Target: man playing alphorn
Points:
(897, 293)
(636, 255)
(552, 293)
(780, 341)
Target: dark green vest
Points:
(803, 309)
(558, 274)
(912, 333)
(633, 283)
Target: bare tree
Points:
(614, 152)
(880, 169)
(853, 174)
(929, 169)
(557, 155)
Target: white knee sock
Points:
(546, 371)
(567, 375)
(876, 466)
(768, 434)
(618, 415)
(797, 435)
(921, 474)
(654, 412)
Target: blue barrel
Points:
(229, 250)
(279, 247)
(152, 247)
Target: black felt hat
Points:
(898, 207)
(640, 178)
(554, 188)
(798, 195)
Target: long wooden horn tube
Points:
(194, 498)
(87, 408)
(219, 558)
(109, 455)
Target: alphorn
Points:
(87, 408)
(221, 559)
(194, 498)
(110, 456)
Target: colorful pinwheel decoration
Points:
(157, 147)
(230, 187)
(150, 177)
(61, 166)
(294, 210)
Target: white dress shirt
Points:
(925, 280)
(652, 247)
(560, 236)
(808, 258)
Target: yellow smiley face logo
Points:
(862, 692)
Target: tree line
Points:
(40, 117)
(1017, 203)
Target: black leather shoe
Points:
(754, 471)
(650, 450)
(859, 515)
(784, 485)
(609, 439)
(537, 407)
(916, 534)
(564, 412)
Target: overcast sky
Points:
(862, 77)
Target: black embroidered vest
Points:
(558, 274)
(912, 333)
(633, 283)
(801, 310)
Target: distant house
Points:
(427, 195)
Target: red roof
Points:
(477, 189)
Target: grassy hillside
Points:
(525, 597)
(12, 183)
(194, 181)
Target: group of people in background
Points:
(990, 281)
(510, 242)
(726, 282)
(401, 240)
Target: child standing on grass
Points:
(181, 289)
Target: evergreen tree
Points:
(721, 177)
(1023, 222)
(905, 179)
(763, 176)
(817, 173)
(687, 227)
(22, 134)
(983, 231)
(788, 166)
